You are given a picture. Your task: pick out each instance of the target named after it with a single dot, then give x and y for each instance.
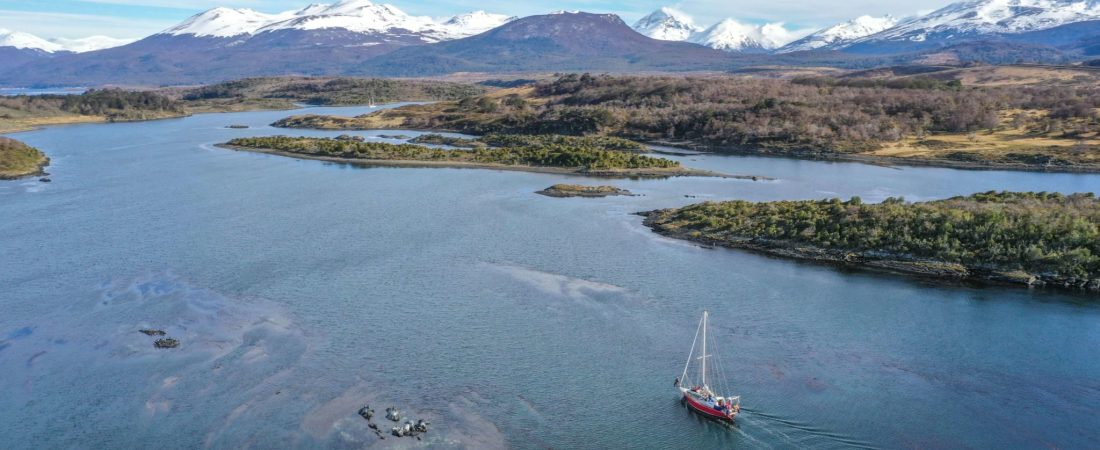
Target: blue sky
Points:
(139, 18)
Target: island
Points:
(576, 190)
(562, 159)
(1044, 125)
(18, 160)
(1023, 238)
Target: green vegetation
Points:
(1047, 126)
(329, 91)
(115, 105)
(19, 160)
(103, 105)
(583, 159)
(576, 190)
(604, 142)
(1051, 236)
(439, 139)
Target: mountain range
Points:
(357, 37)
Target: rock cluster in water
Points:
(576, 190)
(165, 342)
(408, 429)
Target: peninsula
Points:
(568, 159)
(18, 160)
(1024, 238)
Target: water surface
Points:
(301, 290)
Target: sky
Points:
(140, 18)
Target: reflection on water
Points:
(300, 291)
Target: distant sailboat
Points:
(700, 396)
(371, 103)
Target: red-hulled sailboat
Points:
(697, 393)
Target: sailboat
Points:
(699, 393)
(371, 103)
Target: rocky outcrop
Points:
(576, 190)
(166, 343)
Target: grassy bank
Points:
(1023, 238)
(19, 160)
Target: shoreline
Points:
(939, 271)
(48, 122)
(39, 172)
(607, 173)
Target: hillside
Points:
(554, 42)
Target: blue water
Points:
(7, 92)
(301, 290)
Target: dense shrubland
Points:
(547, 155)
(806, 115)
(332, 91)
(114, 104)
(1038, 233)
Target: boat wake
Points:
(795, 433)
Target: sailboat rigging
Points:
(700, 396)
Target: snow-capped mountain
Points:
(667, 24)
(1068, 25)
(839, 35)
(728, 34)
(27, 41)
(993, 16)
(90, 43)
(224, 22)
(733, 36)
(356, 16)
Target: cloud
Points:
(66, 25)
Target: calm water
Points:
(301, 290)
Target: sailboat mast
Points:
(704, 349)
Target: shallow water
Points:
(301, 290)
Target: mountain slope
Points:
(667, 24)
(731, 35)
(553, 42)
(840, 35)
(728, 34)
(222, 43)
(987, 20)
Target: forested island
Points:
(914, 120)
(19, 160)
(521, 155)
(1026, 238)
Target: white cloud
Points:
(73, 26)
